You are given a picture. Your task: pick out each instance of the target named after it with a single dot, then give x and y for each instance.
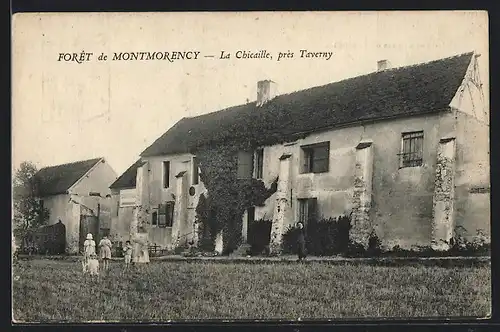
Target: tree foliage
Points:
(228, 197)
(28, 210)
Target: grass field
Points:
(45, 290)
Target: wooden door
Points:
(88, 224)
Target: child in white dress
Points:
(127, 253)
(88, 247)
(93, 266)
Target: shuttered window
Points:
(316, 158)
(245, 165)
(166, 214)
(308, 210)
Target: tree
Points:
(29, 213)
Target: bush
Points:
(328, 237)
(259, 235)
(355, 250)
(331, 236)
(324, 237)
(290, 240)
(374, 245)
(462, 247)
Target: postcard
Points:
(291, 166)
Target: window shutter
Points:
(306, 167)
(312, 210)
(259, 163)
(162, 209)
(244, 165)
(162, 220)
(170, 213)
(302, 210)
(321, 157)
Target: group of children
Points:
(91, 263)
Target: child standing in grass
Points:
(105, 246)
(127, 253)
(88, 248)
(93, 266)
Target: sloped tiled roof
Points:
(58, 179)
(127, 179)
(404, 91)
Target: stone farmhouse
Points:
(403, 151)
(75, 194)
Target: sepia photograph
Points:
(297, 166)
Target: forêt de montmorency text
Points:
(83, 56)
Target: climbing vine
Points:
(227, 196)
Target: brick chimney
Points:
(266, 90)
(383, 65)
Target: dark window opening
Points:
(166, 174)
(259, 163)
(154, 218)
(196, 172)
(412, 149)
(41, 212)
(316, 158)
(251, 215)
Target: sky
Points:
(64, 111)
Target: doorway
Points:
(88, 224)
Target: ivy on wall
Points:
(227, 196)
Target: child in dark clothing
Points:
(301, 242)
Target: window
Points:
(259, 163)
(316, 158)
(308, 209)
(252, 232)
(245, 165)
(166, 174)
(154, 218)
(251, 214)
(41, 212)
(166, 214)
(195, 172)
(117, 207)
(411, 149)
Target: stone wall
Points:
(282, 211)
(443, 200)
(139, 225)
(362, 195)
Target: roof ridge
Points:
(394, 69)
(401, 91)
(425, 62)
(72, 163)
(119, 179)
